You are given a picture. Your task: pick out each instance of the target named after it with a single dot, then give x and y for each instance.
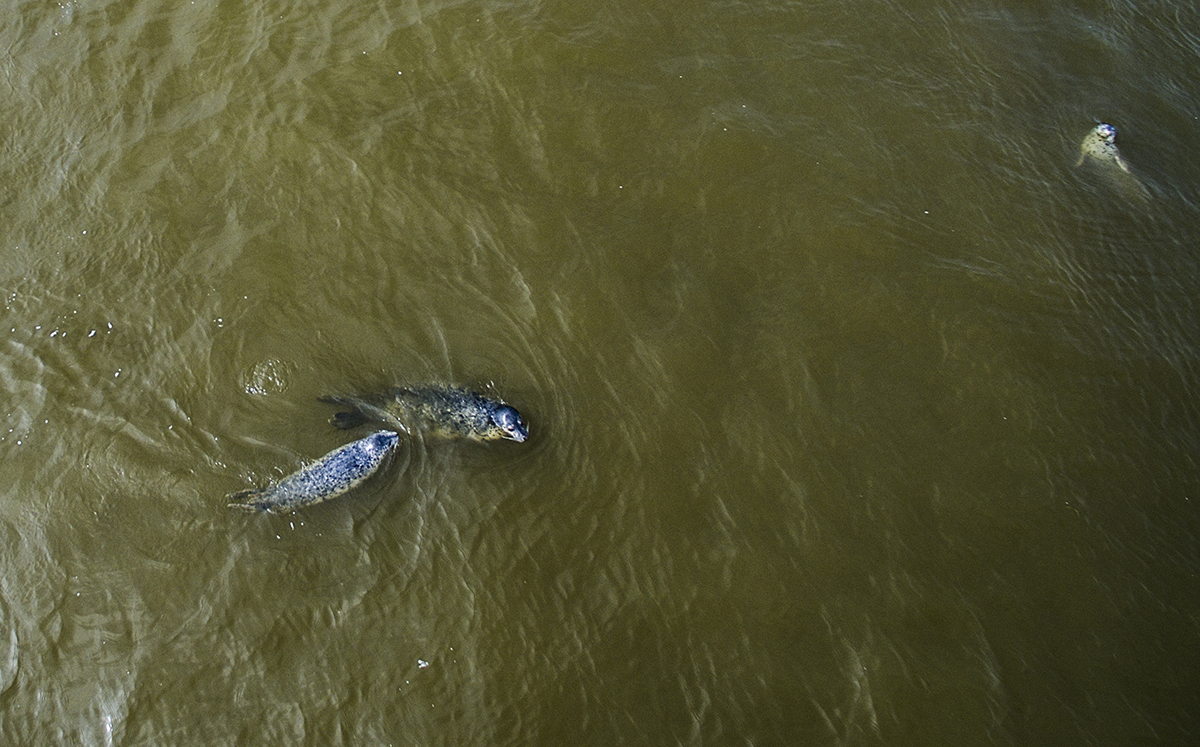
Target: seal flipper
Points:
(248, 500)
(348, 420)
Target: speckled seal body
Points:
(1100, 145)
(440, 410)
(334, 474)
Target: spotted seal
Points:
(334, 474)
(441, 410)
(1100, 145)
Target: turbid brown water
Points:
(859, 415)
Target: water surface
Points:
(859, 414)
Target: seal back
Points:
(333, 475)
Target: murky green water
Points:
(859, 414)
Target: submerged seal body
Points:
(1101, 145)
(439, 409)
(334, 474)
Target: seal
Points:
(441, 410)
(1100, 145)
(334, 474)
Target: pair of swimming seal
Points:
(441, 410)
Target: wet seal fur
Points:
(1099, 149)
(333, 475)
(441, 410)
(1101, 145)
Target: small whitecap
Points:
(268, 376)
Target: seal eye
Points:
(509, 421)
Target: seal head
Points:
(509, 421)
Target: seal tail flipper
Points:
(346, 420)
(247, 500)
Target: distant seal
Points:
(1101, 145)
(440, 410)
(334, 474)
